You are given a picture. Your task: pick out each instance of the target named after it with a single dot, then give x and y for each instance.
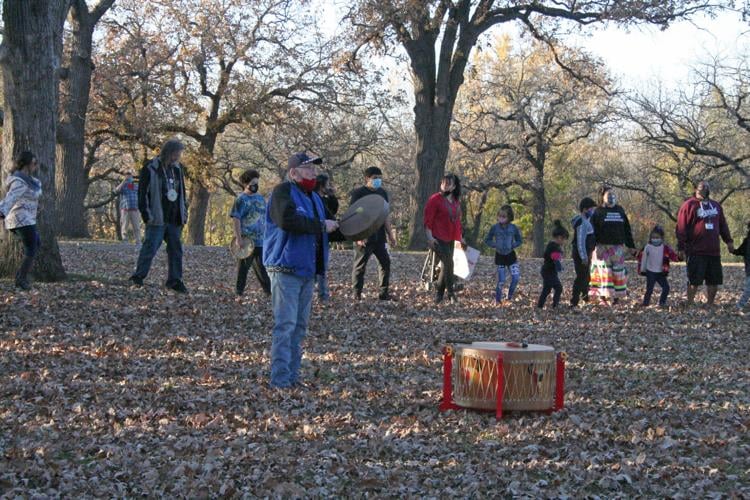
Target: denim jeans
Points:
(651, 280)
(321, 281)
(515, 274)
(291, 297)
(746, 294)
(169, 233)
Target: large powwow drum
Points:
(503, 376)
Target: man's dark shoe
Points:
(386, 296)
(135, 280)
(438, 299)
(357, 295)
(178, 287)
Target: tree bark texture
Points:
(198, 209)
(72, 176)
(29, 66)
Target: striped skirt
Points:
(609, 277)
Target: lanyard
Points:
(452, 208)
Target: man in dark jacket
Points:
(700, 224)
(163, 206)
(375, 244)
(295, 249)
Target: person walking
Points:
(442, 223)
(700, 225)
(163, 207)
(609, 277)
(505, 237)
(376, 243)
(249, 221)
(129, 216)
(19, 209)
(583, 244)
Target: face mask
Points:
(253, 188)
(307, 185)
(611, 200)
(656, 241)
(377, 183)
(704, 193)
(590, 212)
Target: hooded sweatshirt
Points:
(583, 238)
(700, 223)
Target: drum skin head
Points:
(246, 248)
(360, 224)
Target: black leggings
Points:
(255, 260)
(31, 243)
(550, 282)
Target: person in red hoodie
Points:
(700, 224)
(442, 224)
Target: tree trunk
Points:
(29, 65)
(72, 177)
(72, 186)
(538, 211)
(198, 209)
(432, 130)
(473, 237)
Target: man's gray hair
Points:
(169, 148)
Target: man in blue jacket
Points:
(295, 250)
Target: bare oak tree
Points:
(28, 57)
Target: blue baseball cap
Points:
(302, 158)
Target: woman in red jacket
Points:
(442, 224)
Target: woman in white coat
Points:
(19, 210)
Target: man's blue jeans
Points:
(291, 297)
(169, 233)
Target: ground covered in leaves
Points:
(107, 390)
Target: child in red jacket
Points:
(654, 262)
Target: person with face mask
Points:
(129, 216)
(700, 225)
(505, 237)
(653, 263)
(442, 224)
(248, 215)
(376, 243)
(584, 242)
(295, 250)
(19, 210)
(609, 278)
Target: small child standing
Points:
(744, 251)
(505, 237)
(553, 265)
(654, 264)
